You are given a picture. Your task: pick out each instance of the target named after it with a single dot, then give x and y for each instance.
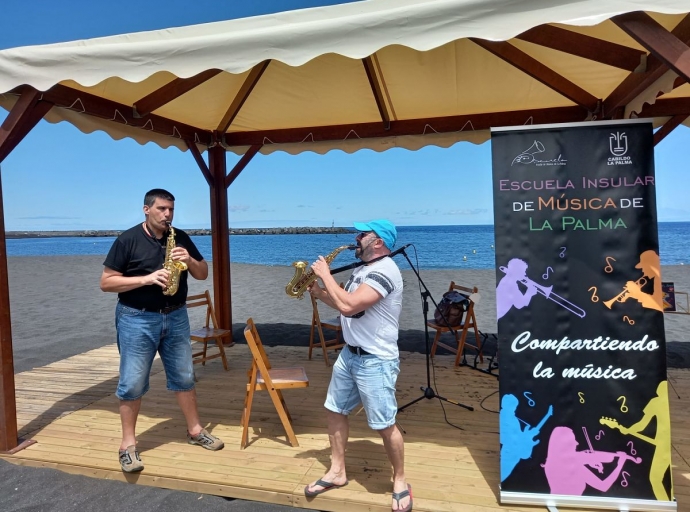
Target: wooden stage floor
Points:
(70, 410)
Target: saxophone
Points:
(175, 268)
(301, 280)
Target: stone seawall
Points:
(191, 232)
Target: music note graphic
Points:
(595, 297)
(530, 400)
(624, 408)
(609, 268)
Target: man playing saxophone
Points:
(367, 368)
(147, 321)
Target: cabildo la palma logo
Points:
(529, 157)
(618, 145)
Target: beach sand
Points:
(58, 309)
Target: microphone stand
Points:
(428, 391)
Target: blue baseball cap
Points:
(383, 228)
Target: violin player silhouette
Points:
(567, 469)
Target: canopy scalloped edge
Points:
(117, 131)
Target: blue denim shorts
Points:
(140, 334)
(368, 380)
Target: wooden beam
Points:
(170, 91)
(19, 111)
(220, 235)
(25, 114)
(587, 47)
(242, 95)
(667, 128)
(408, 127)
(375, 84)
(660, 42)
(73, 99)
(239, 167)
(8, 405)
(532, 67)
(661, 108)
(200, 162)
(636, 83)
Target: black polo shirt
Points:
(135, 253)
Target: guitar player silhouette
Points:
(516, 443)
(657, 412)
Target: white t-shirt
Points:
(376, 329)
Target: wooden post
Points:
(219, 181)
(8, 407)
(220, 234)
(25, 114)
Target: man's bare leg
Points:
(129, 411)
(395, 449)
(338, 432)
(187, 402)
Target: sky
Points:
(61, 179)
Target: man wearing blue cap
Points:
(367, 369)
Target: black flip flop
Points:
(327, 486)
(397, 496)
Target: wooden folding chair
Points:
(468, 321)
(209, 332)
(263, 377)
(317, 327)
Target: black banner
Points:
(584, 404)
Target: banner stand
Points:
(557, 500)
(584, 411)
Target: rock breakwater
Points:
(191, 232)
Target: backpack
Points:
(452, 306)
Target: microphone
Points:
(398, 251)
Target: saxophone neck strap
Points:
(357, 264)
(151, 233)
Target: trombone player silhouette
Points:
(508, 293)
(640, 290)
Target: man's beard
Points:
(361, 251)
(358, 252)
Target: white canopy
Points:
(373, 74)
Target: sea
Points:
(434, 247)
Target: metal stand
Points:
(427, 392)
(492, 360)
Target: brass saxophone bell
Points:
(302, 280)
